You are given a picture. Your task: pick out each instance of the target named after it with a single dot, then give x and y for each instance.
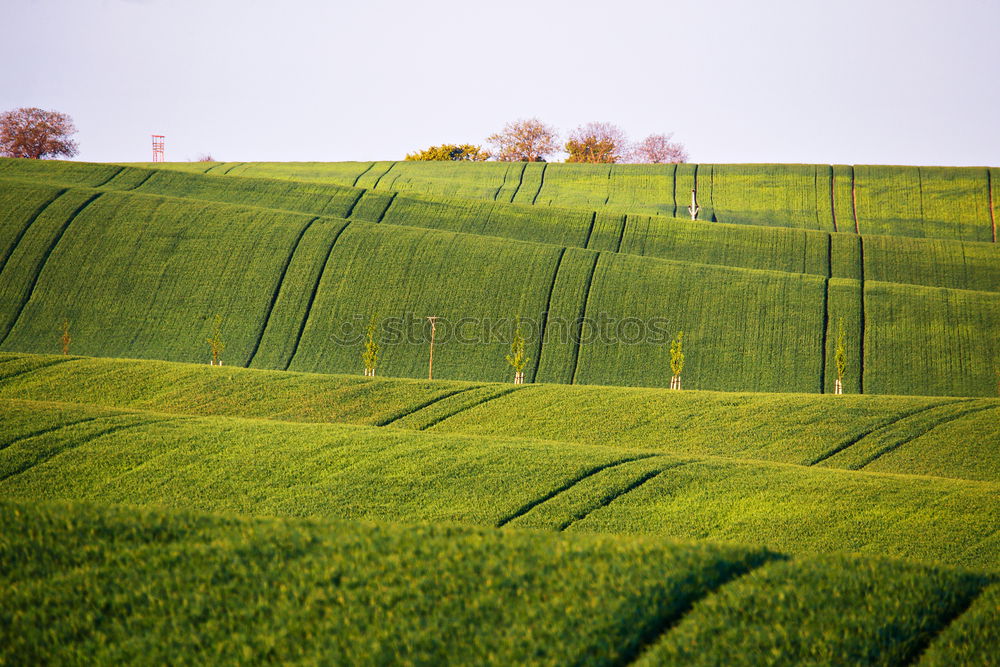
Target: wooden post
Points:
(430, 364)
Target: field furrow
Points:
(31, 275)
(563, 488)
(794, 608)
(338, 471)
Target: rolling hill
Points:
(283, 507)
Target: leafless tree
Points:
(524, 141)
(34, 133)
(659, 149)
(206, 157)
(597, 142)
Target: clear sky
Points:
(851, 81)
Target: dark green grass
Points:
(171, 264)
(932, 341)
(933, 262)
(128, 585)
(21, 204)
(120, 584)
(827, 610)
(924, 201)
(751, 331)
(27, 260)
(938, 202)
(971, 639)
(404, 275)
(257, 467)
(150, 289)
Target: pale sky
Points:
(851, 81)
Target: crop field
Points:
(777, 293)
(284, 507)
(938, 202)
(260, 467)
(800, 429)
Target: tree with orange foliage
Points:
(34, 133)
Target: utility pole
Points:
(694, 208)
(430, 365)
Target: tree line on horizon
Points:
(531, 140)
(34, 133)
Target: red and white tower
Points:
(158, 148)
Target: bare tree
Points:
(524, 141)
(34, 133)
(597, 142)
(206, 157)
(659, 149)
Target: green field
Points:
(303, 263)
(285, 508)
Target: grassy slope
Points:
(929, 436)
(934, 262)
(211, 249)
(939, 202)
(830, 610)
(264, 590)
(257, 467)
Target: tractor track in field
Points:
(711, 191)
(545, 315)
(668, 622)
(826, 332)
(878, 427)
(51, 429)
(358, 177)
(226, 172)
(590, 472)
(312, 295)
(582, 317)
(142, 182)
(31, 220)
(861, 334)
(945, 622)
(590, 230)
(350, 209)
(384, 174)
(833, 195)
(989, 189)
(500, 394)
(277, 290)
(920, 194)
(520, 180)
(541, 183)
(392, 200)
(607, 499)
(12, 376)
(674, 193)
(44, 260)
(506, 173)
(84, 441)
(110, 178)
(621, 233)
(607, 197)
(388, 421)
(942, 422)
(854, 202)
